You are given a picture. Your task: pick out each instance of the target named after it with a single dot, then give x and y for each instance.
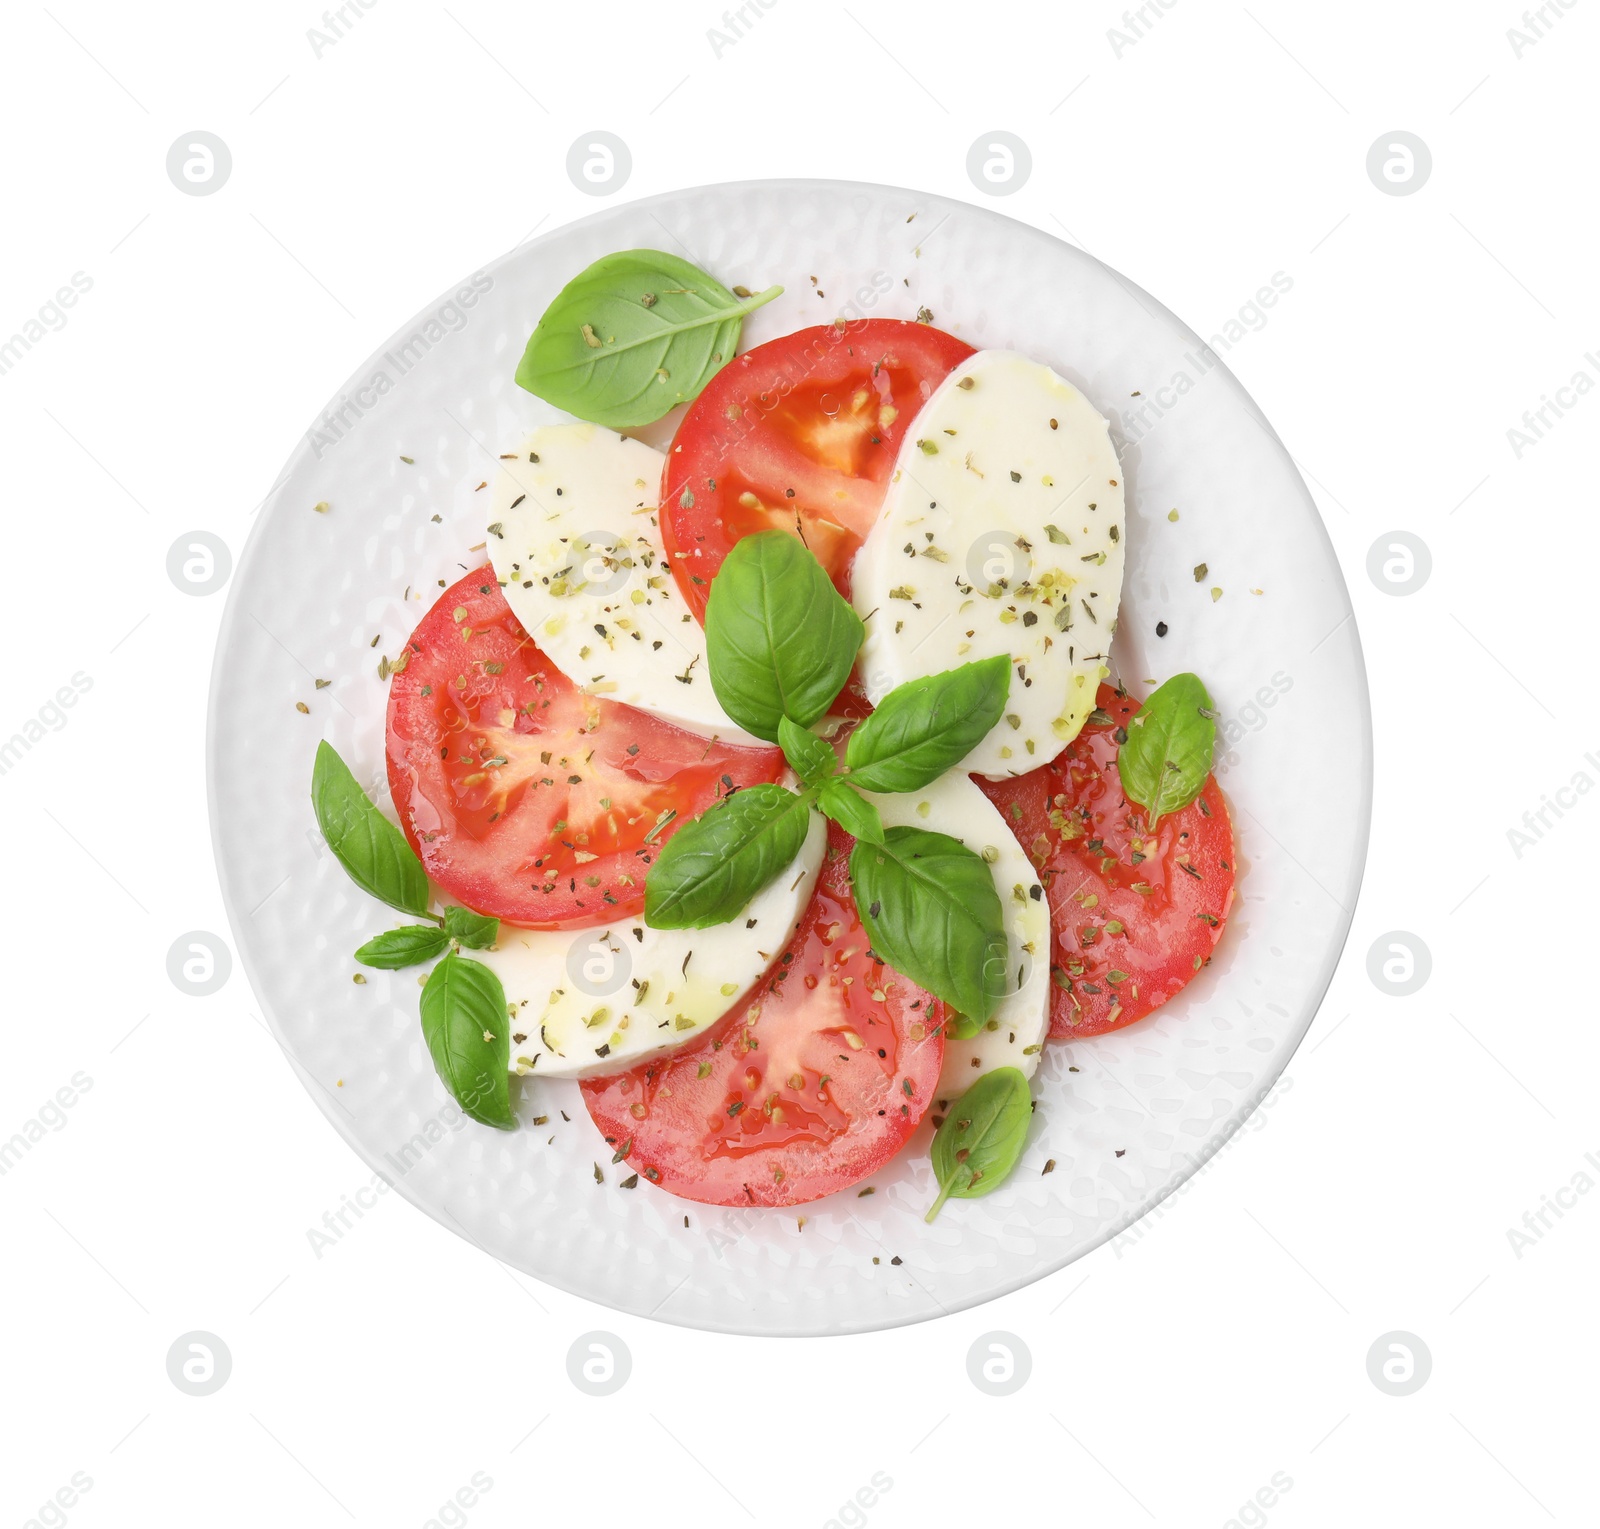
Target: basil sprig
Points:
(370, 848)
(412, 944)
(464, 1018)
(710, 868)
(465, 1024)
(930, 906)
(780, 639)
(922, 728)
(633, 335)
(1165, 762)
(981, 1137)
(780, 644)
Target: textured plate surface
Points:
(1283, 665)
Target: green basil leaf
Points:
(810, 758)
(851, 811)
(922, 728)
(929, 904)
(1165, 762)
(633, 335)
(982, 1137)
(960, 1027)
(779, 638)
(710, 868)
(477, 931)
(469, 1035)
(370, 848)
(407, 946)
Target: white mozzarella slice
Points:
(591, 1001)
(575, 544)
(1001, 533)
(1016, 1030)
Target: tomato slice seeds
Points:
(811, 1081)
(525, 797)
(799, 435)
(1133, 915)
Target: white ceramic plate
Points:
(1284, 666)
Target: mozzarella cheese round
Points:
(590, 1001)
(1001, 533)
(1015, 1032)
(575, 544)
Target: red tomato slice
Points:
(526, 798)
(800, 434)
(1132, 918)
(808, 1084)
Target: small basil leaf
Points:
(370, 848)
(779, 638)
(406, 946)
(1165, 762)
(809, 756)
(469, 1036)
(982, 1137)
(929, 904)
(960, 1027)
(712, 867)
(633, 335)
(477, 931)
(922, 728)
(851, 811)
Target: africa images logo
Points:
(51, 316)
(447, 319)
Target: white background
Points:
(1175, 1374)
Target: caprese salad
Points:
(777, 784)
